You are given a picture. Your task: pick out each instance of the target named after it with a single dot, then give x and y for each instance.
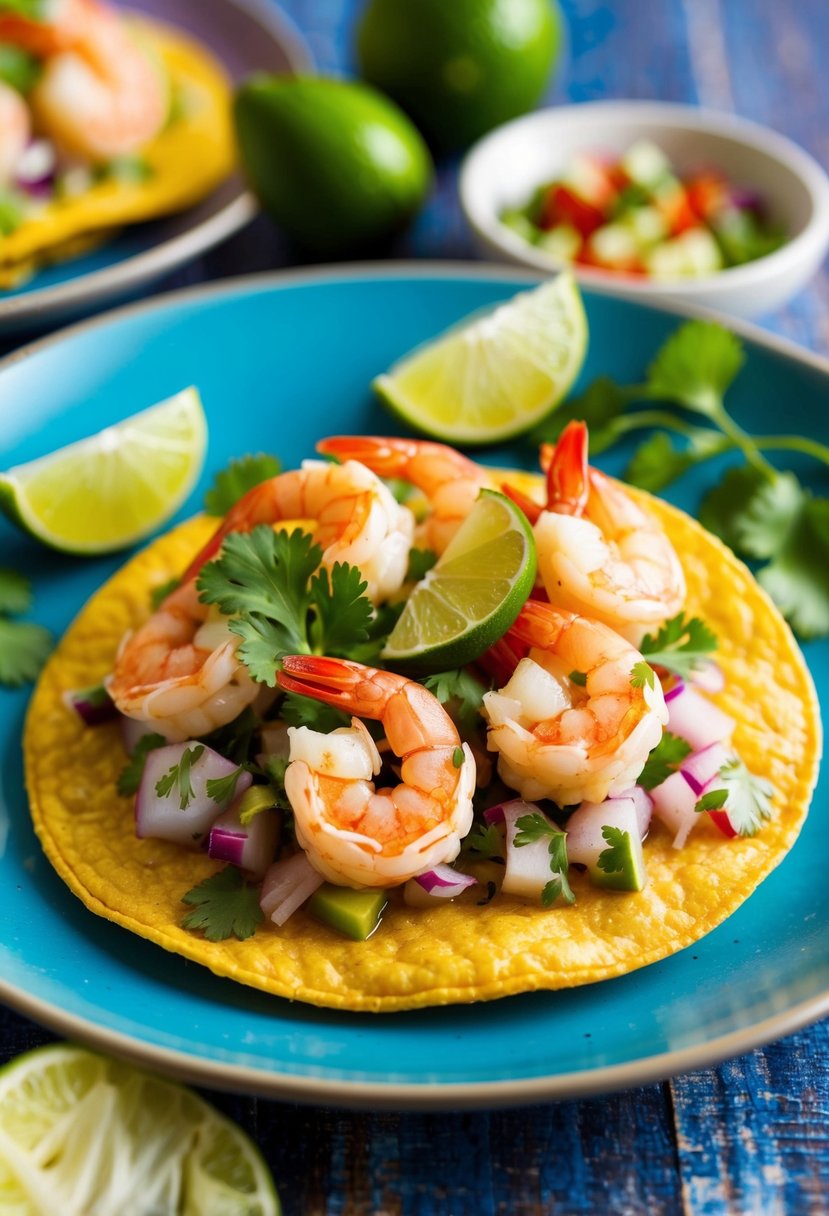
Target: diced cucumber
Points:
(614, 245)
(647, 225)
(587, 177)
(355, 914)
(562, 242)
(693, 254)
(646, 164)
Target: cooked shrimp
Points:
(357, 519)
(100, 93)
(449, 480)
(15, 130)
(353, 834)
(179, 672)
(572, 739)
(599, 552)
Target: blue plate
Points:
(281, 360)
(246, 36)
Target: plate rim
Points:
(96, 286)
(378, 1094)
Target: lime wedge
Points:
(80, 1133)
(112, 489)
(474, 593)
(496, 375)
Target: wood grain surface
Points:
(750, 1138)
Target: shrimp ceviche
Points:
(593, 785)
(103, 120)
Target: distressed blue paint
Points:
(753, 1135)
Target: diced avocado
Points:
(630, 874)
(355, 914)
(520, 224)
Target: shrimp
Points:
(100, 94)
(357, 520)
(353, 834)
(179, 672)
(572, 739)
(599, 553)
(15, 128)
(449, 480)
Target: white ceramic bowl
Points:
(503, 169)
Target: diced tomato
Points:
(721, 820)
(678, 212)
(707, 194)
(562, 206)
(633, 267)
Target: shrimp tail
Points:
(528, 505)
(335, 681)
(568, 485)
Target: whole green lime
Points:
(336, 164)
(460, 67)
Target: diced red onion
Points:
(249, 846)
(584, 827)
(286, 886)
(675, 690)
(710, 677)
(161, 816)
(444, 881)
(697, 720)
(93, 705)
(699, 768)
(35, 169)
(497, 814)
(642, 804)
(133, 731)
(745, 199)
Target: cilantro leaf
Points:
(797, 578)
(178, 776)
(263, 573)
(747, 799)
(15, 593)
(343, 612)
(384, 619)
(462, 694)
(24, 648)
(714, 800)
(642, 675)
(223, 789)
(275, 767)
(665, 758)
(682, 645)
(130, 776)
(752, 512)
(241, 475)
(579, 678)
(657, 461)
(531, 828)
(486, 841)
(224, 905)
(695, 366)
(306, 711)
(551, 891)
(613, 859)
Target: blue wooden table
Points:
(752, 1136)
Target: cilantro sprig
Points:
(224, 905)
(230, 484)
(178, 777)
(746, 798)
(613, 859)
(462, 694)
(534, 827)
(281, 603)
(764, 514)
(682, 645)
(24, 646)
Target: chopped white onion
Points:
(643, 805)
(674, 802)
(585, 841)
(697, 720)
(710, 677)
(133, 731)
(286, 886)
(161, 815)
(701, 767)
(527, 869)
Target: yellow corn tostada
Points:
(188, 158)
(461, 952)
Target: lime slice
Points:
(474, 593)
(110, 490)
(496, 375)
(82, 1134)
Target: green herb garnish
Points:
(224, 905)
